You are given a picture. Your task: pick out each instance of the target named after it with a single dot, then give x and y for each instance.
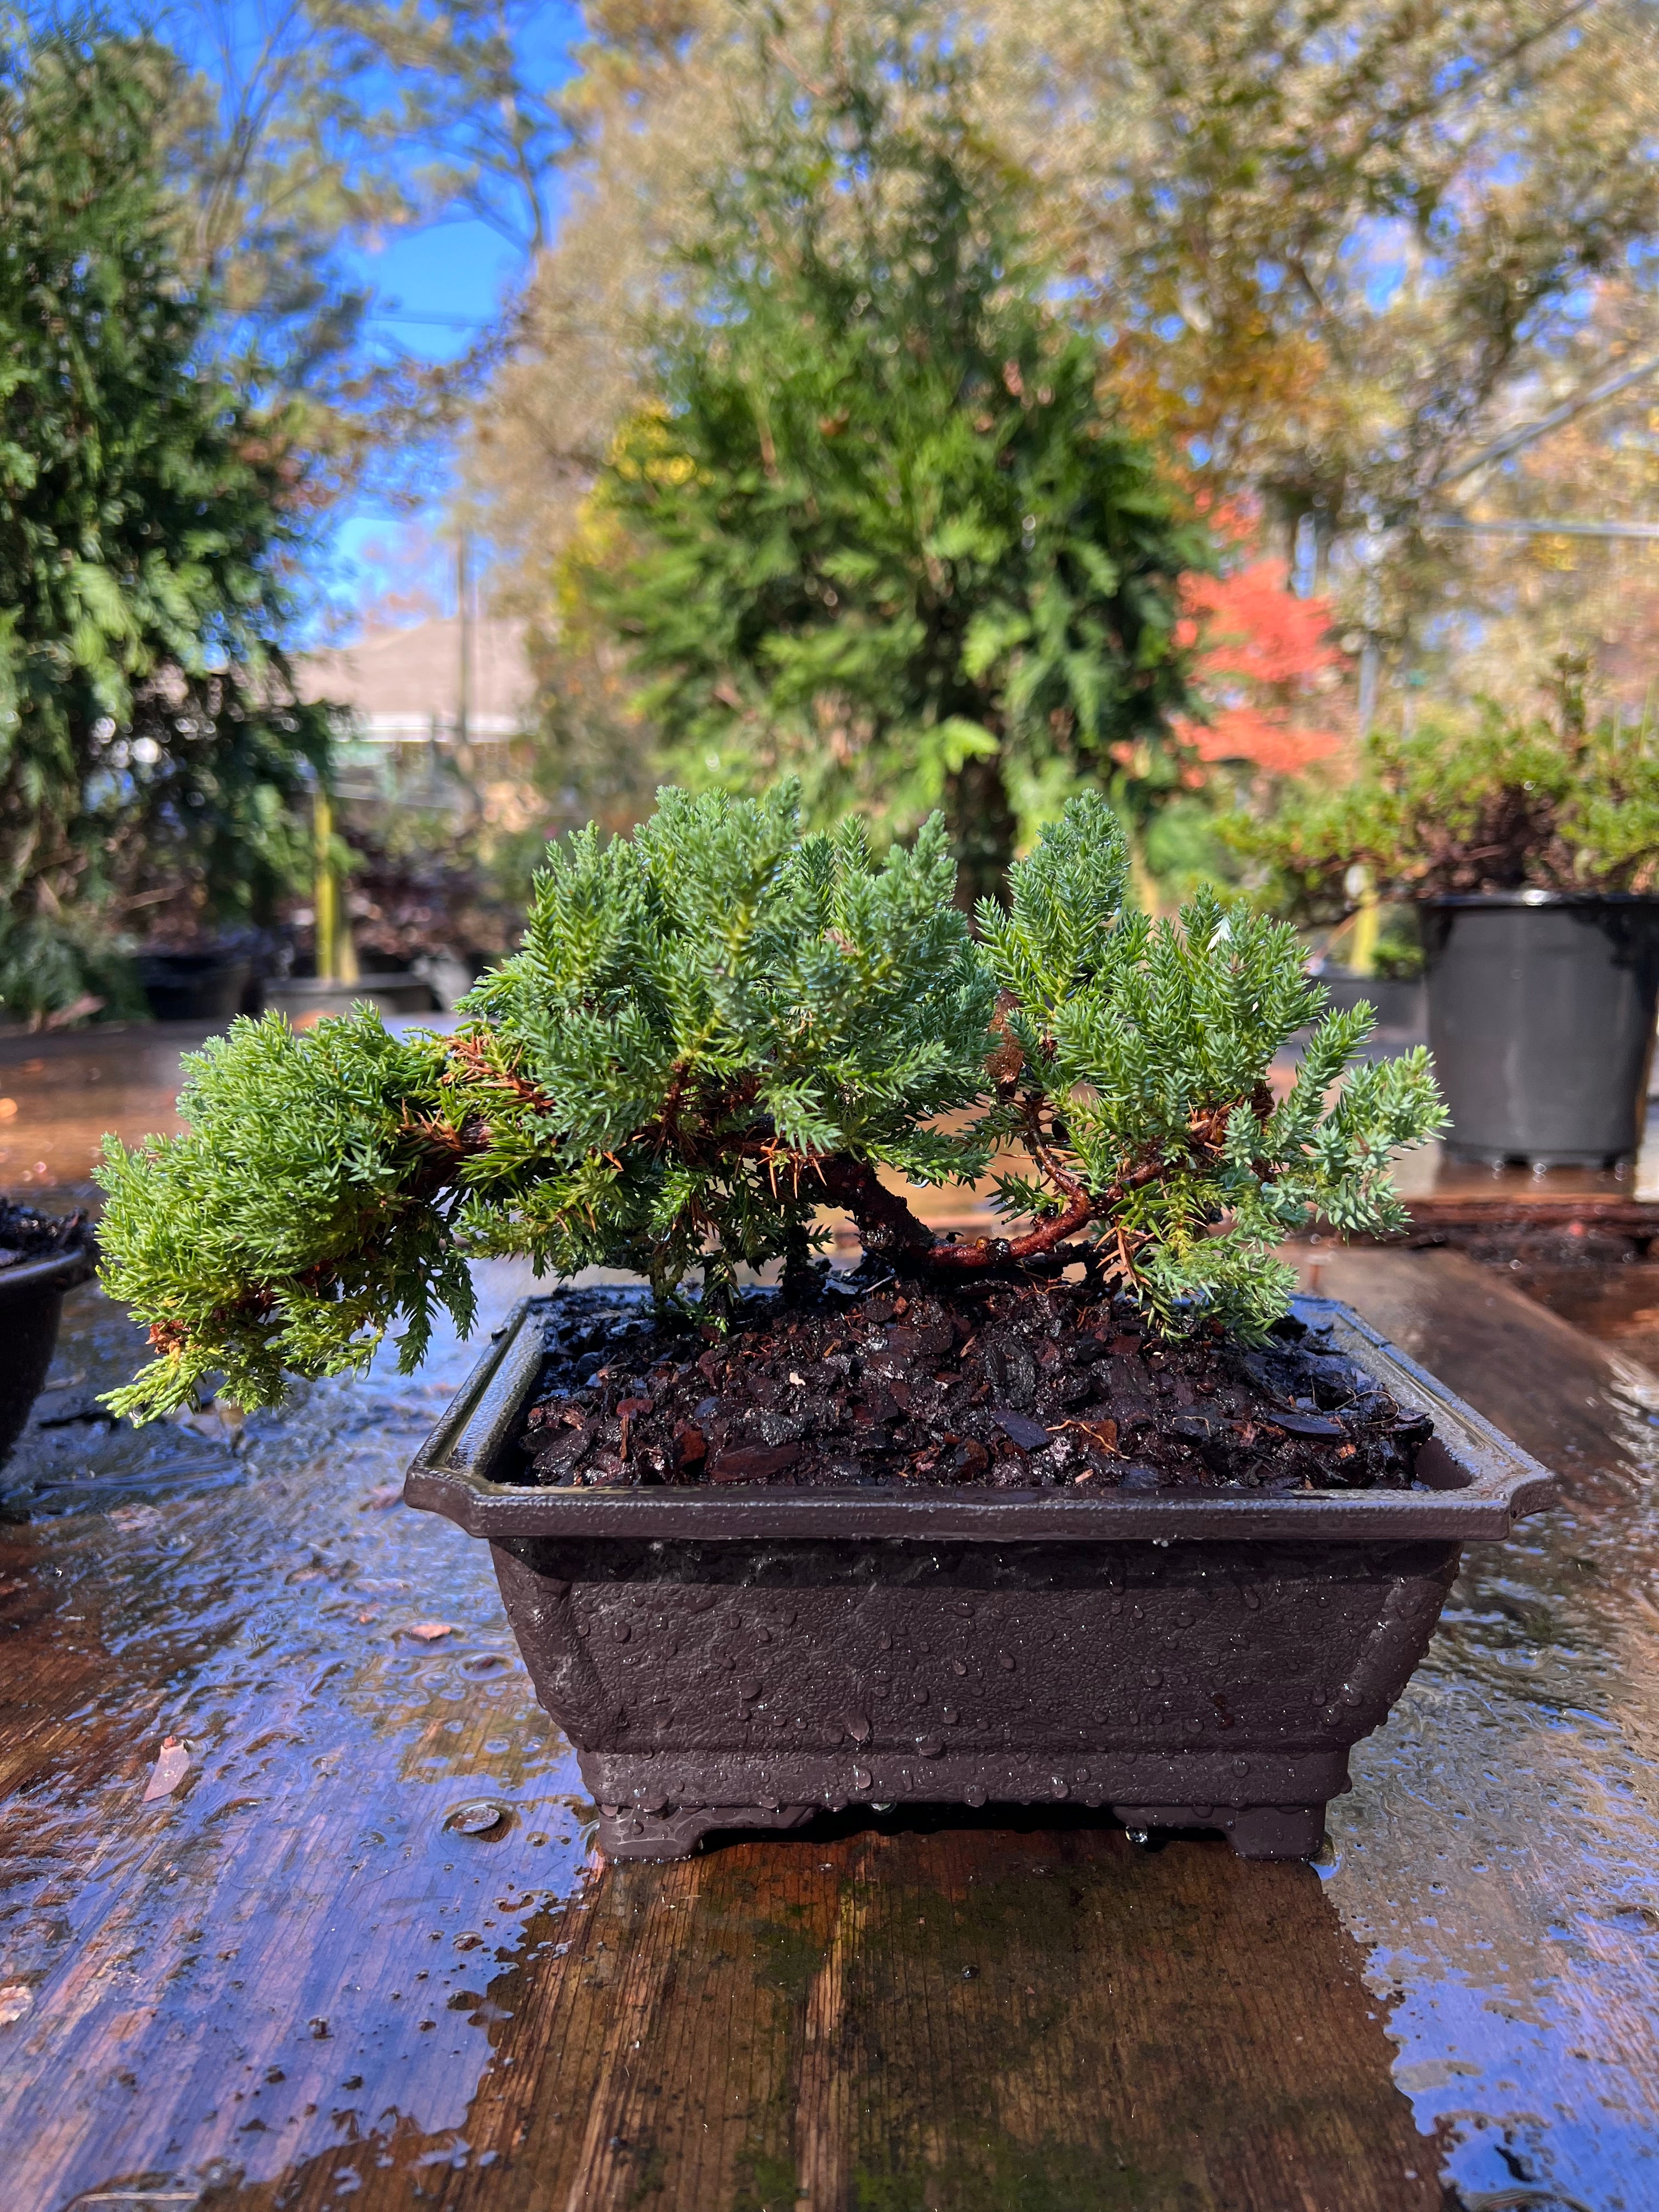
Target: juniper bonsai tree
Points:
(719, 1027)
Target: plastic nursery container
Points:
(194, 986)
(1541, 1011)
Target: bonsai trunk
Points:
(982, 829)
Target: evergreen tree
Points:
(879, 528)
(149, 729)
(719, 1027)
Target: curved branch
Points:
(888, 1227)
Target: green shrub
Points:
(151, 516)
(720, 1026)
(1491, 805)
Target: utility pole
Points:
(1371, 559)
(464, 671)
(1368, 921)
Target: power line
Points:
(1525, 433)
(1504, 527)
(449, 322)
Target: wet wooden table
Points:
(362, 1955)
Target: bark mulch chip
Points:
(1004, 1385)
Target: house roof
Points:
(398, 680)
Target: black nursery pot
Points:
(1395, 1000)
(194, 986)
(1195, 1659)
(31, 1308)
(1542, 1010)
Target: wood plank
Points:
(981, 2017)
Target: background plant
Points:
(1486, 803)
(877, 523)
(149, 729)
(720, 1026)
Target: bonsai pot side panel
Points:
(1188, 1659)
(1540, 1019)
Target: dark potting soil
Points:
(26, 1235)
(1010, 1385)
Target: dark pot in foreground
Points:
(1540, 1019)
(194, 986)
(31, 1307)
(1191, 1659)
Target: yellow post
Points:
(1367, 922)
(337, 957)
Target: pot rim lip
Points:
(371, 979)
(451, 1474)
(1528, 896)
(58, 1271)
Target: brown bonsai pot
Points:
(57, 1256)
(746, 1658)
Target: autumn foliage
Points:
(1259, 656)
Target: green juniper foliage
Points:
(717, 1027)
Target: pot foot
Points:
(1255, 1832)
(626, 1834)
(1277, 1831)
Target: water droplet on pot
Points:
(948, 1715)
(884, 1642)
(1150, 1677)
(860, 1777)
(1061, 1787)
(476, 1817)
(1006, 1661)
(857, 1727)
(919, 1695)
(957, 1667)
(974, 1795)
(929, 1746)
(751, 1688)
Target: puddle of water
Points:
(1615, 1300)
(1499, 1854)
(184, 2014)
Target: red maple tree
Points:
(1261, 653)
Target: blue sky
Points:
(433, 289)
(458, 270)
